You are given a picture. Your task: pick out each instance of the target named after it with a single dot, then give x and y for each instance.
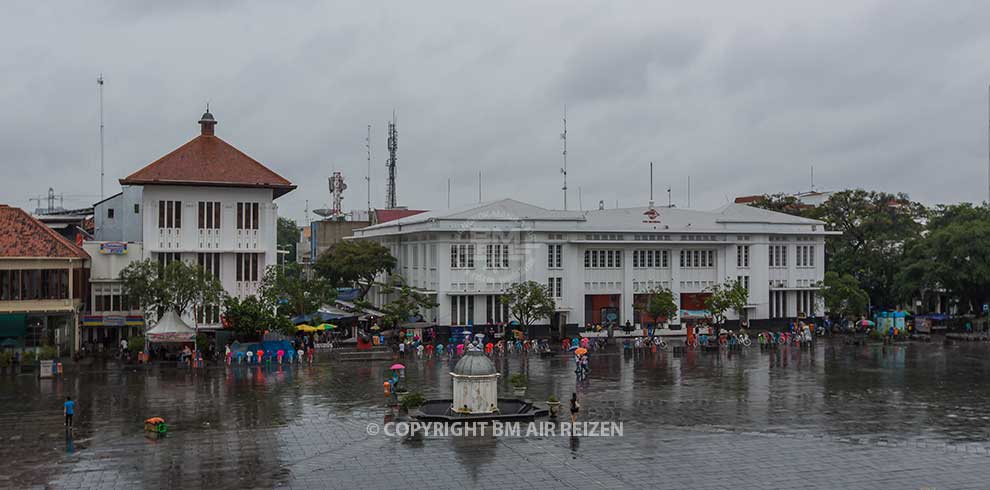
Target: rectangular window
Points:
(555, 256)
(137, 209)
(247, 267)
(166, 258)
(778, 256)
(462, 256)
(603, 259)
(247, 216)
(209, 215)
(742, 256)
(497, 256)
(696, 259)
(169, 214)
(461, 310)
(109, 213)
(210, 262)
(555, 286)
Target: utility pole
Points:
(99, 84)
(563, 170)
(367, 178)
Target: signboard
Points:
(114, 321)
(113, 248)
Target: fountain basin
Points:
(509, 409)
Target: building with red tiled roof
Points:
(43, 281)
(206, 203)
(207, 160)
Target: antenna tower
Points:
(337, 187)
(393, 145)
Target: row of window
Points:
(697, 259)
(555, 256)
(778, 255)
(742, 256)
(34, 284)
(651, 259)
(603, 259)
(114, 303)
(170, 215)
(497, 256)
(462, 256)
(805, 255)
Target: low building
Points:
(599, 264)
(110, 314)
(43, 284)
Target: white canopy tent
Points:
(171, 328)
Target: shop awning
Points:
(13, 325)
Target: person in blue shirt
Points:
(69, 407)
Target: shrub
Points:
(553, 399)
(29, 357)
(135, 343)
(47, 352)
(518, 379)
(412, 400)
(6, 359)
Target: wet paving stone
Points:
(836, 416)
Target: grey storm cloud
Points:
(743, 98)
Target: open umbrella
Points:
(376, 327)
(326, 326)
(866, 323)
(581, 351)
(397, 366)
(307, 328)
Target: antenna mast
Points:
(99, 84)
(651, 184)
(367, 178)
(393, 145)
(479, 186)
(563, 170)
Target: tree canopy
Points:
(725, 297)
(287, 237)
(251, 317)
(661, 304)
(177, 286)
(288, 288)
(843, 296)
(405, 304)
(355, 263)
(528, 302)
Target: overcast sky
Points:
(886, 95)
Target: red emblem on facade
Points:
(651, 215)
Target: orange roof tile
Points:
(24, 236)
(207, 160)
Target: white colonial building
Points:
(598, 264)
(206, 203)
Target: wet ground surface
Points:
(837, 416)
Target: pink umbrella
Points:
(397, 366)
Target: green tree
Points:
(843, 296)
(875, 227)
(661, 304)
(528, 302)
(782, 203)
(953, 256)
(355, 263)
(178, 286)
(404, 304)
(251, 317)
(294, 294)
(287, 237)
(725, 297)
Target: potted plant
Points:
(518, 381)
(554, 404)
(6, 361)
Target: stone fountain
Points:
(476, 396)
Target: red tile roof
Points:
(386, 215)
(22, 235)
(209, 161)
(748, 199)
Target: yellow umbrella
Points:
(306, 328)
(327, 326)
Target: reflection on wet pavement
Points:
(251, 427)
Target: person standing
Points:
(68, 408)
(575, 407)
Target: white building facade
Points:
(599, 264)
(205, 203)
